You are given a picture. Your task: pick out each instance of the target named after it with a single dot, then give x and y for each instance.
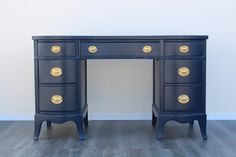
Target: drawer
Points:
(120, 49)
(57, 49)
(183, 71)
(192, 48)
(183, 98)
(59, 99)
(57, 71)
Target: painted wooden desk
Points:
(179, 76)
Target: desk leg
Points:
(86, 120)
(80, 128)
(191, 123)
(49, 124)
(202, 124)
(154, 119)
(160, 126)
(37, 127)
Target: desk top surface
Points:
(165, 37)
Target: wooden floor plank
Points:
(118, 139)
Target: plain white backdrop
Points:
(117, 89)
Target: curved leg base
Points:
(77, 118)
(163, 118)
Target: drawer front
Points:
(193, 48)
(120, 49)
(57, 71)
(183, 71)
(57, 49)
(57, 99)
(183, 98)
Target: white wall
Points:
(131, 94)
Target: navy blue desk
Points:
(179, 80)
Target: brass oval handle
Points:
(56, 99)
(183, 71)
(184, 49)
(56, 71)
(92, 49)
(55, 49)
(147, 49)
(183, 99)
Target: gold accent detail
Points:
(183, 99)
(55, 49)
(184, 48)
(56, 99)
(147, 49)
(183, 71)
(56, 71)
(92, 49)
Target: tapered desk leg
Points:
(49, 124)
(191, 123)
(202, 124)
(37, 127)
(160, 127)
(154, 119)
(86, 120)
(80, 128)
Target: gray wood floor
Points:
(118, 139)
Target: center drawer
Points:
(59, 98)
(57, 71)
(121, 50)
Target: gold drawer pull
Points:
(92, 49)
(56, 99)
(184, 49)
(183, 71)
(183, 99)
(147, 49)
(55, 49)
(56, 71)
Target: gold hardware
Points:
(56, 99)
(183, 71)
(147, 49)
(55, 49)
(92, 49)
(183, 99)
(184, 48)
(56, 71)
